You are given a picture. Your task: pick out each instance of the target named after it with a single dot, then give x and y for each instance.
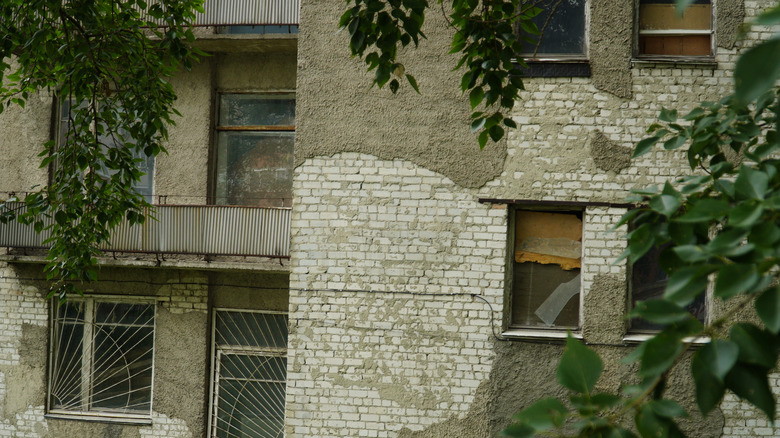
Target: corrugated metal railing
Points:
(248, 12)
(185, 229)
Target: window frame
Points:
(640, 334)
(528, 331)
(107, 415)
(217, 352)
(58, 136)
(686, 59)
(214, 197)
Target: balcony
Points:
(184, 229)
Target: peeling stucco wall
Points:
(729, 17)
(338, 111)
(607, 154)
(611, 36)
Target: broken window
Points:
(648, 281)
(254, 162)
(250, 373)
(546, 269)
(562, 27)
(664, 32)
(102, 359)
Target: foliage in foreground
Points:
(110, 64)
(721, 224)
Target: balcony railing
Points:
(184, 229)
(249, 12)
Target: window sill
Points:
(95, 417)
(708, 62)
(636, 338)
(556, 68)
(537, 334)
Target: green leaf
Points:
(667, 408)
(659, 311)
(413, 83)
(667, 205)
(640, 241)
(682, 4)
(519, 431)
(667, 115)
(644, 146)
(750, 382)
(757, 70)
(745, 215)
(580, 367)
(476, 96)
(769, 17)
(691, 253)
(477, 124)
(545, 414)
(675, 142)
(768, 308)
(756, 346)
(735, 279)
(685, 284)
(705, 210)
(659, 354)
(718, 357)
(709, 389)
(751, 183)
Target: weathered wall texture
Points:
(338, 111)
(23, 131)
(181, 346)
(610, 49)
(388, 241)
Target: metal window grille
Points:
(102, 358)
(250, 373)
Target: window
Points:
(546, 269)
(144, 186)
(648, 281)
(250, 372)
(254, 162)
(663, 32)
(562, 25)
(102, 358)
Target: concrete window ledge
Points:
(636, 338)
(136, 421)
(675, 62)
(536, 334)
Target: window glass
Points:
(255, 150)
(250, 374)
(562, 24)
(145, 185)
(103, 356)
(546, 269)
(662, 31)
(648, 281)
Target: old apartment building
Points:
(333, 260)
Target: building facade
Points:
(418, 286)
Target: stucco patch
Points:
(180, 360)
(730, 14)
(608, 155)
(611, 36)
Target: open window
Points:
(546, 264)
(663, 32)
(249, 374)
(101, 359)
(648, 281)
(254, 153)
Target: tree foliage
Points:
(110, 62)
(719, 226)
